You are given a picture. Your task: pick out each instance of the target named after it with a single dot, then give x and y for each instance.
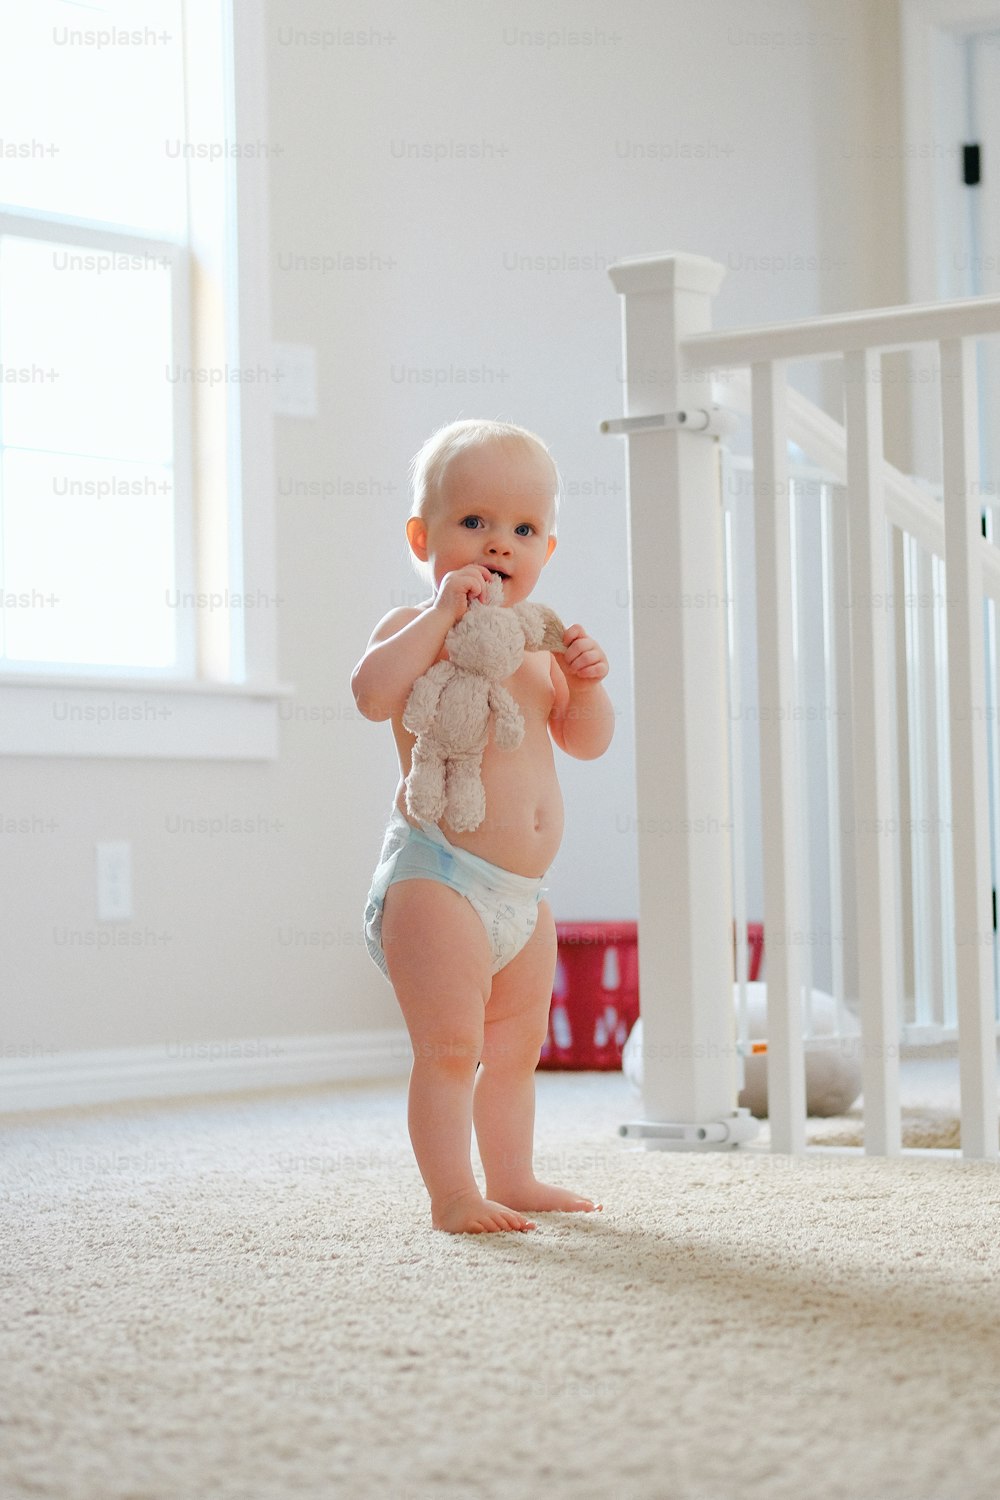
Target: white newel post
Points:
(678, 641)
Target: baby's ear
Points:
(543, 629)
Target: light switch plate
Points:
(114, 881)
(295, 387)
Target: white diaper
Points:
(507, 904)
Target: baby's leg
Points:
(517, 1016)
(439, 961)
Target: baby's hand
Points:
(583, 657)
(456, 589)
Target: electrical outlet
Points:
(114, 882)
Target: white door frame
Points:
(932, 186)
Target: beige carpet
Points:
(244, 1298)
(922, 1129)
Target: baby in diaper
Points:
(457, 921)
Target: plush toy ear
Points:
(543, 629)
(494, 590)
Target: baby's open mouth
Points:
(498, 573)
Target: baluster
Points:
(969, 814)
(903, 761)
(945, 866)
(786, 1102)
(841, 637)
(873, 831)
(804, 936)
(734, 535)
(922, 749)
(993, 700)
(832, 697)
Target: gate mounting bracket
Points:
(717, 421)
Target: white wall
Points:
(758, 116)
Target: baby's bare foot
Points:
(539, 1198)
(471, 1213)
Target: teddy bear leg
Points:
(465, 796)
(425, 786)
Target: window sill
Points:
(139, 718)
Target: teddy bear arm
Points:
(422, 704)
(508, 725)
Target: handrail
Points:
(819, 338)
(824, 440)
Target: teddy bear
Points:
(450, 707)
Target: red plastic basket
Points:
(595, 996)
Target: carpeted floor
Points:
(243, 1299)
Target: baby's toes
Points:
(509, 1218)
(516, 1221)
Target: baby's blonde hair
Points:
(427, 468)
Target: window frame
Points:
(153, 714)
(88, 236)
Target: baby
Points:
(456, 921)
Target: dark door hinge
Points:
(970, 165)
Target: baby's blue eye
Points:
(524, 529)
(471, 522)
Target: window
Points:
(135, 469)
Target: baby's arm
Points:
(408, 641)
(402, 647)
(582, 720)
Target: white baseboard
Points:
(57, 1080)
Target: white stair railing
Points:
(908, 505)
(679, 665)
